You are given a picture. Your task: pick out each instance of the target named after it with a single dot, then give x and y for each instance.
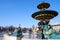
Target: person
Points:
(30, 32)
(33, 32)
(19, 34)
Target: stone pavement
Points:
(26, 37)
(40, 39)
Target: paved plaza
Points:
(26, 37)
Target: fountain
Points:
(44, 16)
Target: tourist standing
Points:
(19, 34)
(30, 32)
(33, 32)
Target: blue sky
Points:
(15, 12)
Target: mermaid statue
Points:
(48, 31)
